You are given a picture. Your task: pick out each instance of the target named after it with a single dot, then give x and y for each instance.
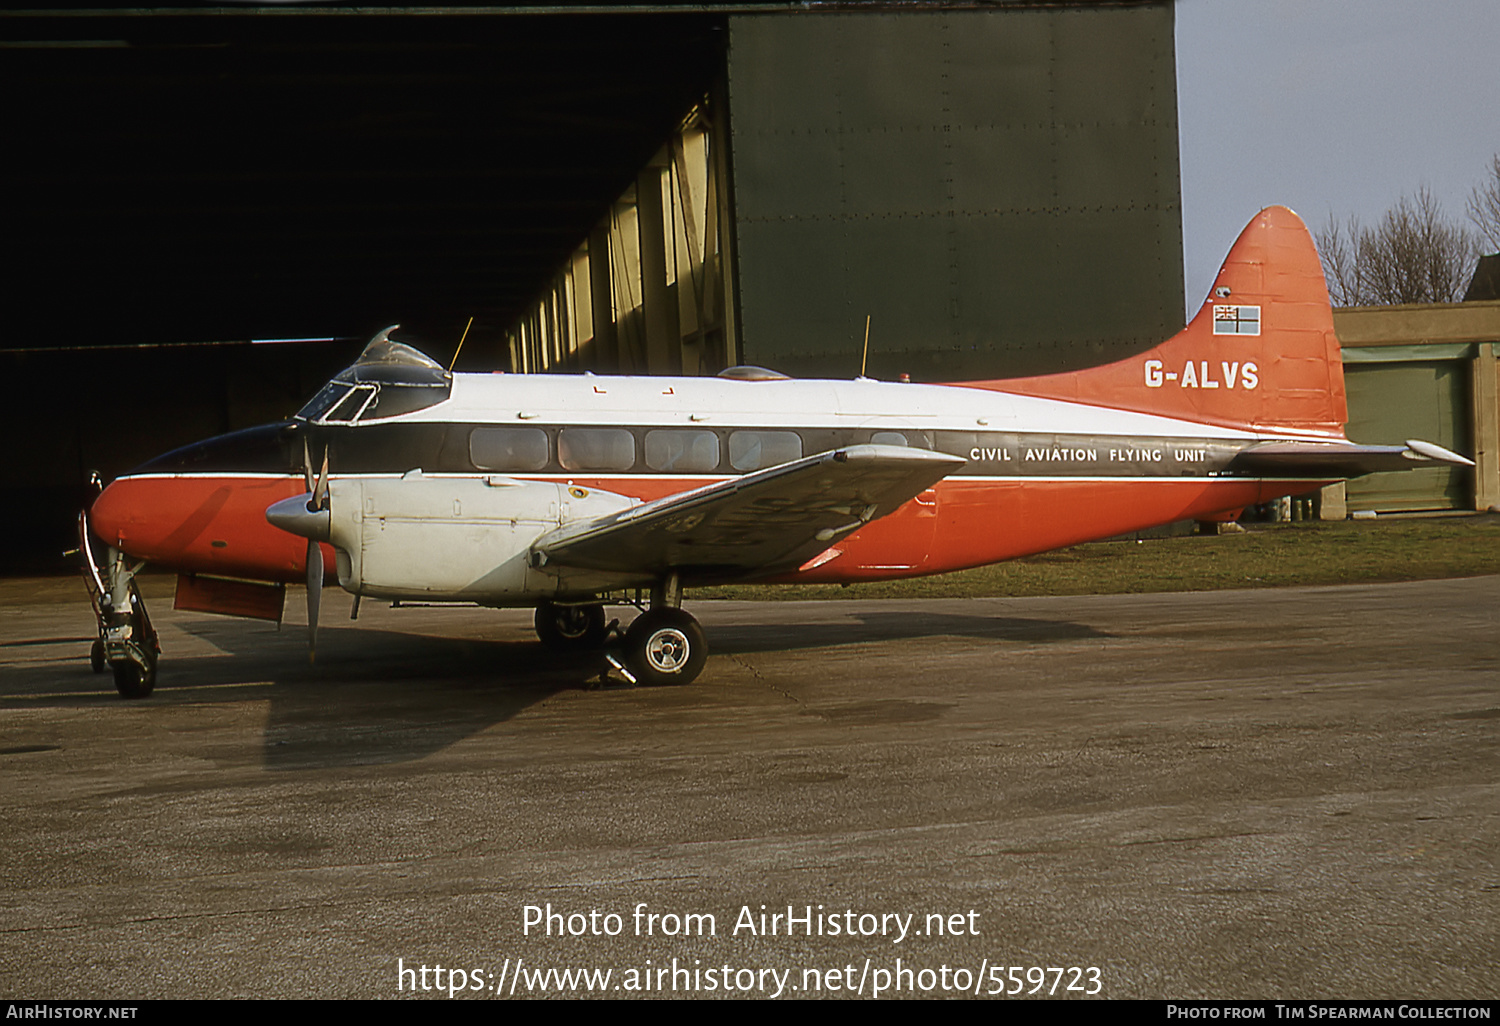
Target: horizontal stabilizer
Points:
(1328, 461)
(752, 526)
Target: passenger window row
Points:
(616, 450)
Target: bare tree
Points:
(1484, 207)
(1338, 242)
(1412, 256)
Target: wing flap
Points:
(766, 522)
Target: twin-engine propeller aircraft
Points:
(566, 493)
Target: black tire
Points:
(570, 628)
(131, 681)
(665, 646)
(135, 678)
(96, 655)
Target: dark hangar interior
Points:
(180, 177)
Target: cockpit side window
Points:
(392, 400)
(351, 405)
(327, 397)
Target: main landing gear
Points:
(664, 645)
(570, 628)
(127, 642)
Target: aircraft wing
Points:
(1330, 460)
(763, 523)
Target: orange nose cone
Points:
(208, 524)
(110, 515)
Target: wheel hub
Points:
(572, 623)
(668, 650)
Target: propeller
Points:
(317, 502)
(317, 491)
(314, 596)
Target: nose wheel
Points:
(665, 646)
(135, 675)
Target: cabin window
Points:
(757, 450)
(888, 438)
(595, 449)
(682, 452)
(508, 448)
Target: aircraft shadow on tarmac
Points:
(377, 696)
(872, 625)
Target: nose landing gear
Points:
(127, 642)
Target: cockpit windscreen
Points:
(387, 380)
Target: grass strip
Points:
(1264, 556)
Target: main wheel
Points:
(96, 655)
(665, 646)
(569, 628)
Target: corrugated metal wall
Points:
(996, 189)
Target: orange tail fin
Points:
(1261, 353)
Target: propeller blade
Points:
(320, 493)
(314, 595)
(307, 471)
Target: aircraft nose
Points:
(293, 516)
(110, 515)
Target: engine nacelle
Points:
(452, 538)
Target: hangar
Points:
(992, 189)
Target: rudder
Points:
(1261, 352)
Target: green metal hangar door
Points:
(997, 190)
(648, 189)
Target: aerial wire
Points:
(460, 344)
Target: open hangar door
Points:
(180, 181)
